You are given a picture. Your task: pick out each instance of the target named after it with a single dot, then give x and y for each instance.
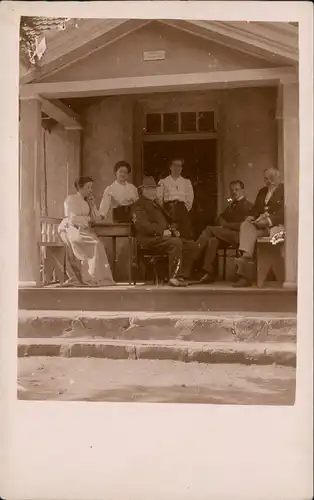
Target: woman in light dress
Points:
(120, 195)
(76, 232)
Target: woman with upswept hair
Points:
(120, 195)
(76, 232)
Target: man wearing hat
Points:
(156, 233)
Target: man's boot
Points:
(245, 271)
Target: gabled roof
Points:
(271, 41)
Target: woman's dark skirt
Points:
(181, 217)
(122, 214)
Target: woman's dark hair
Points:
(177, 159)
(81, 181)
(238, 182)
(120, 164)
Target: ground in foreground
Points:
(90, 379)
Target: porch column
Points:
(279, 111)
(73, 157)
(138, 126)
(29, 210)
(290, 157)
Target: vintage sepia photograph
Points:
(158, 210)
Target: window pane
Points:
(171, 122)
(153, 123)
(188, 122)
(206, 121)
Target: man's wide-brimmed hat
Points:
(148, 181)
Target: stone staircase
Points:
(208, 337)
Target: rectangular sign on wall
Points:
(154, 55)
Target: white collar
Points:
(120, 184)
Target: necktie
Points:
(233, 205)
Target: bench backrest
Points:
(49, 232)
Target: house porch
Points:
(248, 138)
(72, 126)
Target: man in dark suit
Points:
(156, 233)
(267, 212)
(226, 233)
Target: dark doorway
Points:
(200, 166)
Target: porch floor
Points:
(142, 297)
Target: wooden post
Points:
(290, 145)
(73, 157)
(30, 158)
(279, 118)
(138, 125)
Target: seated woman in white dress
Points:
(120, 195)
(76, 232)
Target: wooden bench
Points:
(51, 251)
(269, 257)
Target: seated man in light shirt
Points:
(175, 194)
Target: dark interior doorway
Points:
(200, 166)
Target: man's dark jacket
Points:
(149, 220)
(275, 206)
(235, 214)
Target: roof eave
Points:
(274, 42)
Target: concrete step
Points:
(199, 298)
(203, 352)
(188, 326)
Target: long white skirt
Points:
(89, 250)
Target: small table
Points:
(116, 230)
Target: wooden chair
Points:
(224, 254)
(146, 259)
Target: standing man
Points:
(226, 234)
(267, 212)
(156, 233)
(175, 194)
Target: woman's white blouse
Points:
(77, 210)
(117, 195)
(180, 189)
